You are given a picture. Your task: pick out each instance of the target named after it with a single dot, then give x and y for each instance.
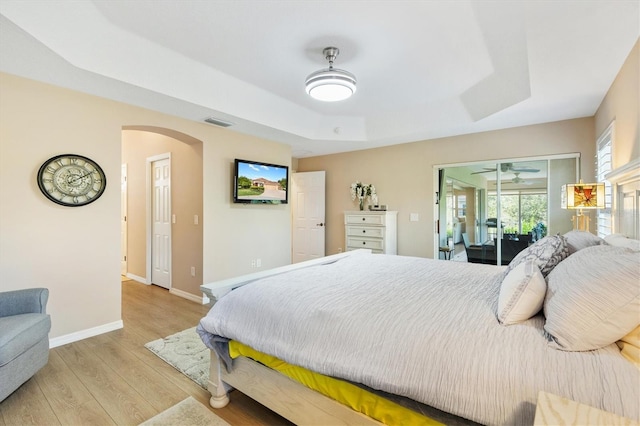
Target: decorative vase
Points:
(361, 203)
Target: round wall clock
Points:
(71, 180)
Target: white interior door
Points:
(161, 223)
(307, 206)
(123, 220)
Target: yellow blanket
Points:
(346, 393)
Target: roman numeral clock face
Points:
(71, 180)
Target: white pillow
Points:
(620, 240)
(577, 240)
(521, 293)
(593, 298)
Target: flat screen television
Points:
(255, 182)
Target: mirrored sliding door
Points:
(494, 210)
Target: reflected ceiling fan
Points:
(508, 167)
(516, 180)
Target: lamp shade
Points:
(583, 196)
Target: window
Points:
(461, 203)
(603, 167)
(521, 210)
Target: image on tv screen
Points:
(261, 182)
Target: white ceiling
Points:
(425, 69)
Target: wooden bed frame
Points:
(302, 405)
(279, 393)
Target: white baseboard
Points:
(137, 278)
(202, 300)
(84, 334)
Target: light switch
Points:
(195, 219)
(415, 217)
(173, 218)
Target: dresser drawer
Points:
(365, 231)
(356, 243)
(364, 219)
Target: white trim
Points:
(137, 278)
(628, 172)
(609, 132)
(124, 226)
(511, 160)
(180, 293)
(85, 334)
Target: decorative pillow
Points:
(545, 253)
(630, 346)
(593, 298)
(577, 240)
(620, 240)
(521, 293)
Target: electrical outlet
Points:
(253, 263)
(193, 271)
(339, 249)
(258, 263)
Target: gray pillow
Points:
(545, 254)
(577, 240)
(593, 298)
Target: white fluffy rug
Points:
(188, 413)
(186, 353)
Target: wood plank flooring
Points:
(112, 379)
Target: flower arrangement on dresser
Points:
(362, 191)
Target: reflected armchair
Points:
(474, 252)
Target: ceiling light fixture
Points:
(331, 84)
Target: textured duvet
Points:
(423, 329)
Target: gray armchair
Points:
(24, 337)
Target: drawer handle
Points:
(364, 243)
(364, 231)
(363, 219)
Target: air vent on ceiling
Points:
(218, 122)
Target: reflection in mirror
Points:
(494, 210)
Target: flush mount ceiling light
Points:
(331, 84)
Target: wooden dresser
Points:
(374, 230)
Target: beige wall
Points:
(403, 174)
(75, 252)
(186, 201)
(622, 103)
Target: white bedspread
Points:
(423, 329)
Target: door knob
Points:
(319, 224)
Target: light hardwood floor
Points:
(113, 379)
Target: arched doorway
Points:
(142, 146)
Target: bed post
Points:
(217, 389)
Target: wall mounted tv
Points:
(255, 182)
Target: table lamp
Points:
(582, 196)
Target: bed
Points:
(458, 343)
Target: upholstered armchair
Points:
(24, 337)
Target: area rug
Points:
(186, 353)
(188, 413)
